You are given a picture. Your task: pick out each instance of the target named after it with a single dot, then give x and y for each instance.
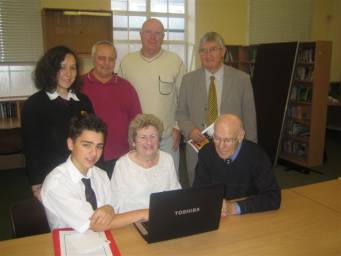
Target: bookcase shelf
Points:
(302, 161)
(10, 110)
(308, 94)
(241, 57)
(291, 96)
(297, 138)
(10, 133)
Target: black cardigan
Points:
(249, 175)
(45, 125)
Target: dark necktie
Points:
(90, 193)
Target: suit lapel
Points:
(227, 83)
(202, 84)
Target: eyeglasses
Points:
(226, 141)
(213, 50)
(149, 33)
(144, 138)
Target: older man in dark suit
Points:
(210, 91)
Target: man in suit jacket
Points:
(234, 95)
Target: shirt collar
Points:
(236, 153)
(217, 75)
(92, 78)
(76, 175)
(54, 95)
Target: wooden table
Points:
(301, 227)
(327, 193)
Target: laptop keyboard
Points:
(145, 224)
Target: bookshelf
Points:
(10, 113)
(241, 57)
(10, 133)
(303, 136)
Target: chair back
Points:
(28, 218)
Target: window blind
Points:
(20, 31)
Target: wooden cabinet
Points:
(77, 29)
(10, 134)
(303, 137)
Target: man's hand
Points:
(176, 139)
(36, 190)
(101, 218)
(196, 136)
(228, 208)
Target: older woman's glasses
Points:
(144, 138)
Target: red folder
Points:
(56, 241)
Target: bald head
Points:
(228, 134)
(231, 122)
(152, 22)
(152, 34)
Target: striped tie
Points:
(212, 112)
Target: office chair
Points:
(28, 218)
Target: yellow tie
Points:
(212, 112)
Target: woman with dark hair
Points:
(46, 114)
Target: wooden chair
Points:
(28, 218)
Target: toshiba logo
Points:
(187, 211)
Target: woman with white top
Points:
(143, 170)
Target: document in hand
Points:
(208, 133)
(69, 242)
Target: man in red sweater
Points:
(114, 100)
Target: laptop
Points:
(182, 212)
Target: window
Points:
(20, 31)
(20, 46)
(129, 16)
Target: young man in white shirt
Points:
(68, 200)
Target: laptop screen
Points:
(184, 212)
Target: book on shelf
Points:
(8, 109)
(208, 133)
(301, 93)
(299, 112)
(306, 55)
(295, 147)
(297, 129)
(304, 73)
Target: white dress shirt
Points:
(63, 196)
(133, 184)
(54, 95)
